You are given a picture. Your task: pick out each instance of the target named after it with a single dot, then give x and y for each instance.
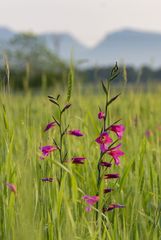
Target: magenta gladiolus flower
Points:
(90, 200)
(12, 187)
(104, 140)
(50, 125)
(111, 175)
(48, 179)
(46, 150)
(78, 160)
(108, 190)
(115, 152)
(101, 115)
(113, 206)
(76, 133)
(105, 164)
(148, 133)
(118, 129)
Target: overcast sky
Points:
(87, 20)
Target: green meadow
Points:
(46, 210)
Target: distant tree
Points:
(30, 60)
(27, 48)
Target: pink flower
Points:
(118, 129)
(108, 190)
(111, 175)
(90, 200)
(104, 140)
(12, 187)
(101, 115)
(50, 125)
(113, 206)
(115, 152)
(78, 160)
(76, 133)
(148, 133)
(46, 150)
(47, 179)
(106, 164)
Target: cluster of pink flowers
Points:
(106, 148)
(48, 149)
(104, 140)
(109, 148)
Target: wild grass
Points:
(40, 210)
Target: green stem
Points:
(99, 178)
(60, 145)
(98, 181)
(106, 105)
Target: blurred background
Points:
(39, 39)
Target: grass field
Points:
(43, 210)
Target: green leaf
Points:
(57, 122)
(57, 98)
(66, 107)
(113, 99)
(53, 101)
(5, 117)
(104, 88)
(51, 97)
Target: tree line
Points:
(28, 62)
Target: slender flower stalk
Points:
(107, 145)
(61, 135)
(104, 140)
(60, 143)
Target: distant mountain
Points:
(5, 35)
(128, 46)
(64, 45)
(125, 46)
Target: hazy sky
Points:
(87, 20)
